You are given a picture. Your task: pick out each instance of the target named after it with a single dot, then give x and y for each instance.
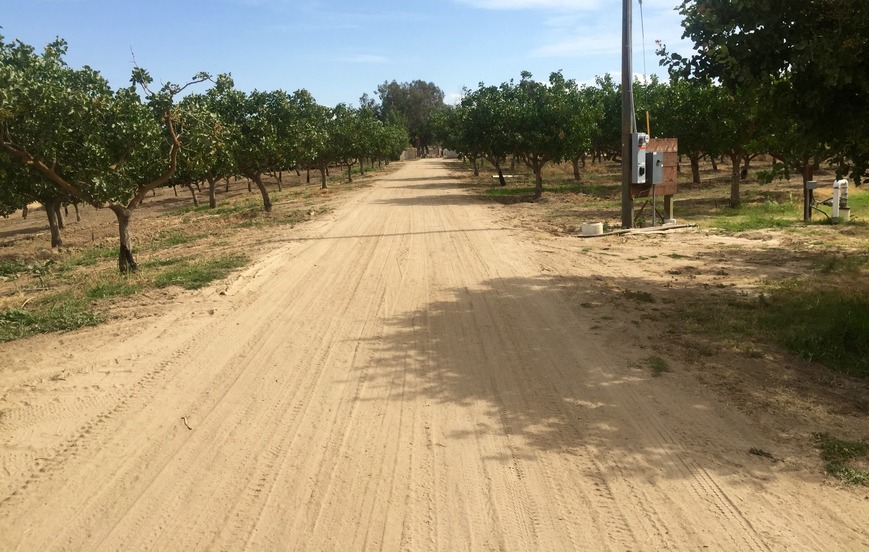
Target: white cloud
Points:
(453, 98)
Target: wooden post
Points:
(668, 207)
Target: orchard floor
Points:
(421, 370)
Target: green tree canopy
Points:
(810, 57)
(105, 147)
(414, 103)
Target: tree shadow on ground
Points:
(530, 368)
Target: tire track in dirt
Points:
(404, 376)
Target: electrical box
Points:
(654, 167)
(638, 148)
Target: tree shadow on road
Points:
(556, 365)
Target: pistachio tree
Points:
(489, 124)
(20, 186)
(106, 147)
(810, 58)
(311, 145)
(209, 146)
(544, 123)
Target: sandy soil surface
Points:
(408, 372)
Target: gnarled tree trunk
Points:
(267, 202)
(126, 262)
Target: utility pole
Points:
(627, 116)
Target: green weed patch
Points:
(840, 456)
(60, 316)
(823, 325)
(195, 275)
(116, 286)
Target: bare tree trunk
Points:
(126, 262)
(714, 163)
(476, 167)
(307, 176)
(193, 193)
(349, 173)
(575, 162)
(212, 200)
(267, 202)
(51, 210)
(538, 181)
(734, 180)
(24, 211)
(501, 180)
(77, 213)
(323, 172)
(695, 167)
(60, 222)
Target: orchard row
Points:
(66, 136)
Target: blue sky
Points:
(340, 49)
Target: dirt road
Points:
(400, 376)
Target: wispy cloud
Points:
(579, 46)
